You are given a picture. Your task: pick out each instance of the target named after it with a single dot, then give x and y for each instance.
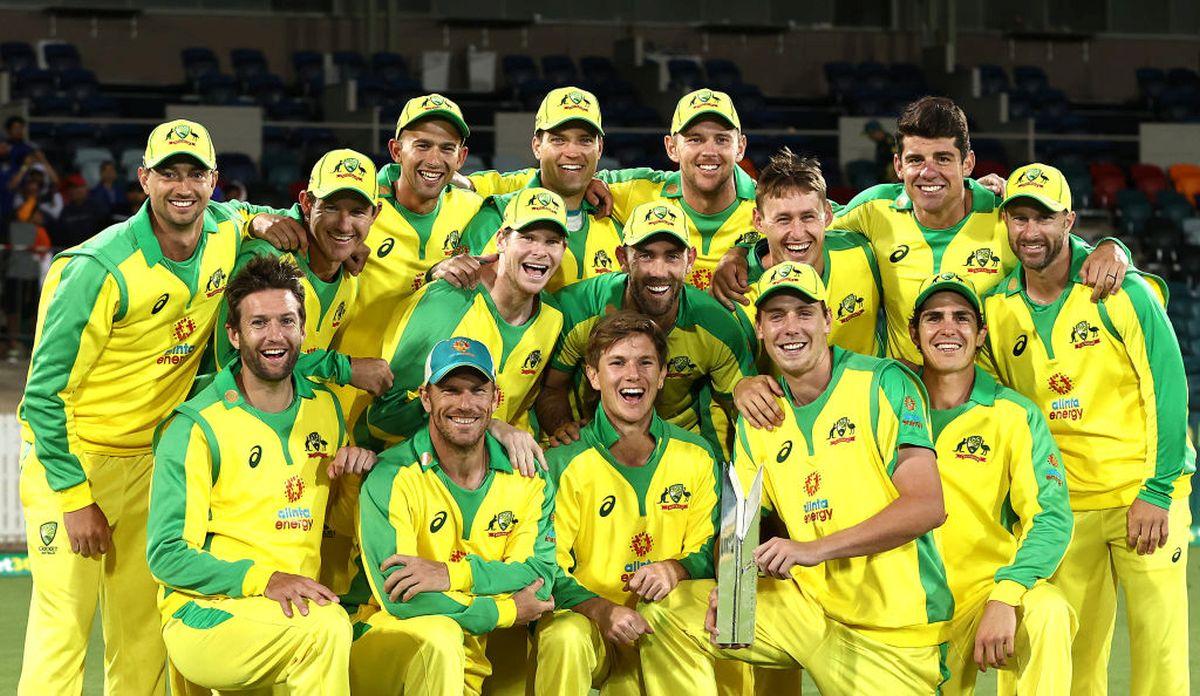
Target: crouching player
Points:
(455, 541)
(1008, 515)
(241, 481)
(635, 513)
(857, 593)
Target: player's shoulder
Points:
(401, 459)
(1008, 286)
(880, 194)
(252, 248)
(461, 199)
(589, 296)
(846, 241)
(560, 459)
(706, 311)
(694, 447)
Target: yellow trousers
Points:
(236, 645)
(68, 587)
(790, 631)
(1041, 663)
(421, 656)
(573, 658)
(1156, 601)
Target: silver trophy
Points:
(737, 576)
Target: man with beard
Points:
(567, 142)
(241, 481)
(856, 592)
(456, 543)
(651, 484)
(708, 351)
(1008, 519)
(1110, 378)
(120, 321)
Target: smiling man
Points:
(707, 350)
(635, 514)
(1111, 381)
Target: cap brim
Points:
(179, 153)
(323, 194)
(661, 233)
(447, 369)
(563, 121)
(785, 287)
(1045, 201)
(446, 114)
(542, 219)
(707, 113)
(948, 286)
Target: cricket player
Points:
(938, 220)
(857, 591)
(567, 142)
(455, 541)
(1008, 519)
(241, 482)
(635, 513)
(122, 323)
(708, 352)
(1109, 377)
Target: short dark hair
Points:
(786, 172)
(8, 122)
(934, 117)
(623, 324)
(262, 273)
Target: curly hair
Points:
(787, 172)
(262, 273)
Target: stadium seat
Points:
(198, 62)
(1151, 82)
(266, 89)
(685, 74)
(1182, 170)
(473, 163)
(1189, 187)
(1105, 188)
(517, 69)
(722, 74)
(236, 165)
(309, 67)
(871, 75)
(98, 106)
(129, 162)
(217, 88)
(839, 77)
(372, 91)
(248, 63)
(389, 66)
(33, 83)
(1183, 77)
(993, 79)
(1133, 209)
(52, 105)
(88, 161)
(349, 65)
(73, 136)
(78, 84)
(61, 56)
(17, 55)
(597, 70)
(862, 174)
(1173, 206)
(907, 76)
(1030, 79)
(289, 110)
(1149, 179)
(559, 70)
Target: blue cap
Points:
(457, 352)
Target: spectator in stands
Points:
(134, 198)
(885, 147)
(82, 216)
(107, 193)
(21, 148)
(235, 191)
(33, 202)
(6, 174)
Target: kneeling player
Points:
(455, 542)
(857, 594)
(635, 512)
(1008, 515)
(241, 481)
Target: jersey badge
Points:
(972, 447)
(674, 497)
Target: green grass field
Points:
(15, 592)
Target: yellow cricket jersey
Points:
(707, 351)
(632, 187)
(611, 519)
(590, 251)
(438, 311)
(1008, 516)
(851, 277)
(909, 253)
(828, 468)
(239, 494)
(120, 332)
(494, 540)
(326, 304)
(1110, 379)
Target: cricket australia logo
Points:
(349, 168)
(315, 445)
(842, 431)
(453, 243)
(46, 532)
(542, 201)
(434, 101)
(1033, 177)
(703, 99)
(680, 366)
(850, 307)
(1084, 334)
(530, 366)
(216, 283)
(748, 238)
(674, 497)
(602, 262)
(575, 100)
(972, 447)
(983, 260)
(339, 314)
(660, 215)
(182, 135)
(502, 524)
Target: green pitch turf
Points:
(15, 595)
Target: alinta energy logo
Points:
(292, 516)
(812, 483)
(502, 524)
(1084, 334)
(674, 497)
(1065, 407)
(815, 509)
(850, 307)
(179, 352)
(983, 260)
(972, 447)
(641, 545)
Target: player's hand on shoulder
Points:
(280, 231)
(372, 375)
(755, 397)
(994, 183)
(462, 271)
(413, 576)
(351, 460)
(357, 261)
(730, 278)
(295, 591)
(1104, 270)
(599, 195)
(995, 638)
(777, 556)
(655, 581)
(524, 452)
(567, 433)
(88, 531)
(529, 607)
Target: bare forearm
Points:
(553, 407)
(593, 608)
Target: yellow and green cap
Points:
(951, 282)
(431, 106)
(704, 102)
(567, 104)
(654, 218)
(531, 205)
(343, 170)
(796, 277)
(179, 137)
(1041, 183)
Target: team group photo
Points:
(533, 351)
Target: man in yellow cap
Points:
(1110, 378)
(856, 592)
(568, 140)
(122, 324)
(708, 351)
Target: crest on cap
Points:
(660, 215)
(349, 167)
(182, 134)
(575, 100)
(461, 346)
(704, 97)
(540, 200)
(1034, 177)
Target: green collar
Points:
(1079, 253)
(743, 185)
(982, 200)
(422, 444)
(604, 434)
(983, 391)
(226, 386)
(143, 233)
(684, 318)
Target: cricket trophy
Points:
(737, 576)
